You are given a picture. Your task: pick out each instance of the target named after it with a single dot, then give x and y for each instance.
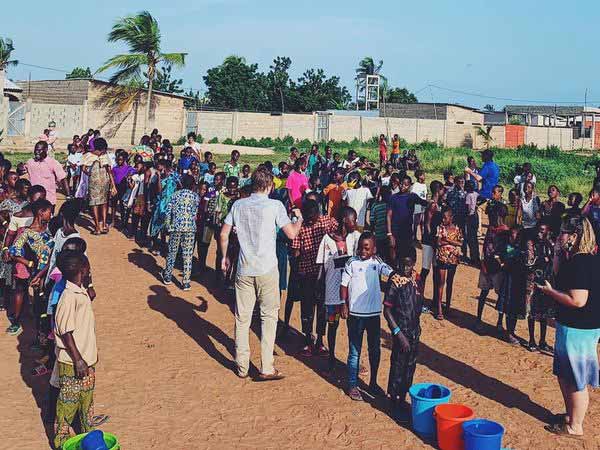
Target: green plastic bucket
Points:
(109, 439)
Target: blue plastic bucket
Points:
(482, 434)
(424, 397)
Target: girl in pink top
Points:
(297, 182)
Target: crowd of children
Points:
(361, 230)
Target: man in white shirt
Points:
(256, 220)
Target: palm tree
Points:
(486, 135)
(6, 49)
(367, 66)
(141, 33)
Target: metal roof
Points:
(10, 86)
(549, 110)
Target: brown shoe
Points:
(276, 375)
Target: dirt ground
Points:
(165, 375)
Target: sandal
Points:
(306, 352)
(546, 348)
(40, 371)
(532, 347)
(320, 351)
(99, 420)
(276, 375)
(355, 394)
(439, 317)
(562, 429)
(96, 233)
(105, 231)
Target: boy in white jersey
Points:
(361, 293)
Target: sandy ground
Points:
(165, 373)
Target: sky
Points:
(517, 51)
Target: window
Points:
(460, 123)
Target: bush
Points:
(228, 141)
(288, 140)
(304, 144)
(181, 141)
(214, 140)
(266, 142)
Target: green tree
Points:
(489, 107)
(237, 85)
(315, 92)
(395, 95)
(278, 82)
(6, 49)
(142, 35)
(79, 73)
(165, 83)
(194, 100)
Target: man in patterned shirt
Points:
(305, 248)
(181, 221)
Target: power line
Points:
(456, 91)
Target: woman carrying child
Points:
(540, 307)
(511, 300)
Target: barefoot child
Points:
(334, 251)
(361, 294)
(402, 311)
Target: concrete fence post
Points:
(4, 117)
(234, 125)
(416, 131)
(27, 124)
(280, 129)
(360, 129)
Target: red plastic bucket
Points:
(449, 419)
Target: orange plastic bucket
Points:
(449, 418)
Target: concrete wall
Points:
(546, 136)
(68, 118)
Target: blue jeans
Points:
(356, 330)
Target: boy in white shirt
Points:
(334, 251)
(420, 188)
(358, 199)
(361, 293)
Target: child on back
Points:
(334, 251)
(403, 304)
(361, 293)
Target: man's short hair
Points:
(262, 180)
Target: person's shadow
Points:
(185, 315)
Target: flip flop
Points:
(276, 375)
(561, 429)
(98, 420)
(355, 394)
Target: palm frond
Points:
(140, 32)
(173, 59)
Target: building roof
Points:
(549, 110)
(10, 86)
(105, 83)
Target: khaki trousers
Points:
(249, 290)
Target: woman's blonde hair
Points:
(587, 240)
